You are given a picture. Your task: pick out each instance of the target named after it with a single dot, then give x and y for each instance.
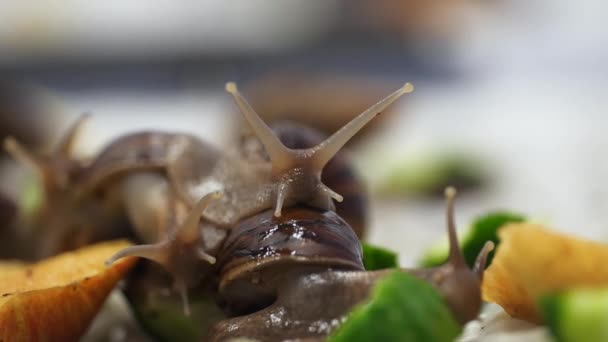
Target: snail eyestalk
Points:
(65, 147)
(309, 162)
(155, 252)
(50, 169)
(325, 189)
(327, 149)
(186, 234)
(179, 250)
(281, 194)
(182, 289)
(22, 155)
(455, 256)
(277, 152)
(189, 230)
(480, 263)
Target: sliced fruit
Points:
(401, 308)
(533, 261)
(56, 299)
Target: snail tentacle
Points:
(200, 252)
(282, 190)
(329, 192)
(189, 230)
(455, 255)
(482, 257)
(156, 252)
(274, 147)
(65, 146)
(304, 166)
(186, 234)
(181, 288)
(21, 154)
(179, 251)
(327, 149)
(51, 169)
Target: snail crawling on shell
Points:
(257, 222)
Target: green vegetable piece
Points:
(378, 258)
(401, 308)
(483, 229)
(577, 315)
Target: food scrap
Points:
(533, 261)
(401, 308)
(57, 298)
(577, 315)
(378, 258)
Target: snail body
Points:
(311, 298)
(259, 222)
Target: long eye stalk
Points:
(455, 257)
(309, 161)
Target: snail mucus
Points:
(258, 222)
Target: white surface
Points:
(33, 30)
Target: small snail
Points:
(64, 220)
(258, 223)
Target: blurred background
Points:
(509, 104)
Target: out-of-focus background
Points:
(511, 96)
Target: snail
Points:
(64, 220)
(315, 275)
(178, 172)
(259, 223)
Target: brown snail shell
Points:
(260, 249)
(311, 303)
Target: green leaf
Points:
(577, 315)
(401, 307)
(483, 229)
(378, 258)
